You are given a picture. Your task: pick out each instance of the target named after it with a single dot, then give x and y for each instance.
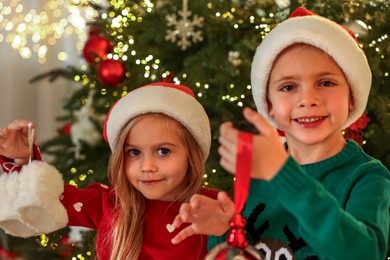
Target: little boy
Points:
(317, 196)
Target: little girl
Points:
(317, 196)
(160, 138)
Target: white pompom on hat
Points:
(304, 26)
(175, 101)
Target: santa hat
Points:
(175, 101)
(304, 26)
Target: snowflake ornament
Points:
(184, 31)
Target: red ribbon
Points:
(237, 235)
(243, 169)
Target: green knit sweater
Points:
(334, 209)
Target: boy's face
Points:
(309, 96)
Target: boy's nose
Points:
(308, 97)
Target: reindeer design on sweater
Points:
(272, 248)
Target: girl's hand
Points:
(268, 154)
(206, 216)
(14, 141)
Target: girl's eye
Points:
(134, 152)
(163, 151)
(326, 83)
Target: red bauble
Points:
(111, 72)
(65, 129)
(96, 47)
(237, 246)
(361, 123)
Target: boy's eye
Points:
(163, 151)
(326, 83)
(134, 152)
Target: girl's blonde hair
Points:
(128, 214)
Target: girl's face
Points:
(309, 96)
(156, 158)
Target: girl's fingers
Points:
(186, 232)
(178, 221)
(4, 132)
(226, 203)
(18, 124)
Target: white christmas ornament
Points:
(76, 234)
(184, 30)
(84, 129)
(234, 58)
(29, 199)
(358, 27)
(283, 3)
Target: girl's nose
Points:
(148, 164)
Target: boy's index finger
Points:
(259, 122)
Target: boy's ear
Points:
(270, 108)
(351, 103)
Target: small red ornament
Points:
(169, 78)
(96, 47)
(355, 131)
(237, 246)
(360, 123)
(94, 30)
(65, 248)
(111, 72)
(280, 133)
(4, 254)
(65, 129)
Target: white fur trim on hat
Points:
(30, 200)
(164, 99)
(324, 34)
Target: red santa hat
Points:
(175, 101)
(304, 26)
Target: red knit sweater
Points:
(91, 207)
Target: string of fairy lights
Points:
(33, 27)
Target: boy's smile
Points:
(310, 122)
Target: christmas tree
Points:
(207, 46)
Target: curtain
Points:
(42, 101)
